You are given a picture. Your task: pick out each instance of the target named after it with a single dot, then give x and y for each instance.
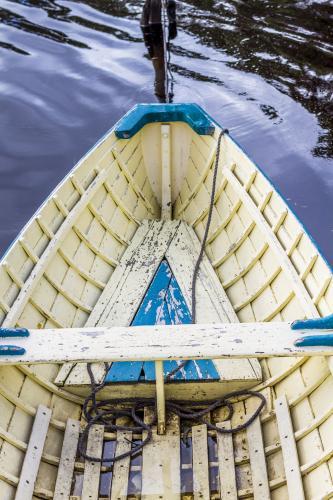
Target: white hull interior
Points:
(87, 258)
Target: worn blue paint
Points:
(14, 332)
(325, 323)
(11, 350)
(142, 114)
(163, 304)
(313, 340)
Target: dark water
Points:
(263, 68)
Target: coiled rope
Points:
(106, 412)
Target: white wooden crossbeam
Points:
(162, 342)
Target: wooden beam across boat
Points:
(160, 342)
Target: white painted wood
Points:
(67, 460)
(92, 470)
(227, 473)
(260, 482)
(289, 449)
(121, 468)
(162, 342)
(212, 303)
(161, 463)
(25, 488)
(166, 205)
(200, 463)
(160, 397)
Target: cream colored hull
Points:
(57, 270)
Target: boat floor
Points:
(201, 464)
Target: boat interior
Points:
(116, 244)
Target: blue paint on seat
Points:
(11, 350)
(325, 323)
(163, 304)
(313, 340)
(14, 332)
(142, 114)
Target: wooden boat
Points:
(115, 245)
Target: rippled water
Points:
(263, 68)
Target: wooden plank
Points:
(260, 482)
(212, 302)
(166, 208)
(160, 397)
(92, 470)
(162, 342)
(200, 463)
(227, 473)
(121, 468)
(289, 449)
(161, 463)
(28, 476)
(67, 460)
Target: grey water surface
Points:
(262, 68)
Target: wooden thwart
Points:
(162, 342)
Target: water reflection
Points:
(70, 69)
(157, 35)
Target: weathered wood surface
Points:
(33, 455)
(67, 460)
(162, 342)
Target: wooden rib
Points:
(250, 180)
(46, 230)
(257, 456)
(33, 455)
(200, 463)
(308, 267)
(322, 290)
(77, 184)
(28, 250)
(106, 225)
(60, 205)
(225, 221)
(120, 204)
(254, 295)
(50, 250)
(4, 306)
(46, 313)
(70, 297)
(278, 308)
(131, 181)
(91, 474)
(12, 274)
(204, 211)
(247, 268)
(279, 221)
(234, 246)
(83, 237)
(293, 244)
(264, 200)
(227, 473)
(82, 272)
(289, 449)
(67, 460)
(288, 268)
(121, 468)
(201, 179)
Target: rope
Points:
(106, 412)
(203, 245)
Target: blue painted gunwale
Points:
(142, 114)
(163, 304)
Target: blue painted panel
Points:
(313, 340)
(163, 304)
(325, 323)
(14, 332)
(11, 350)
(142, 114)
